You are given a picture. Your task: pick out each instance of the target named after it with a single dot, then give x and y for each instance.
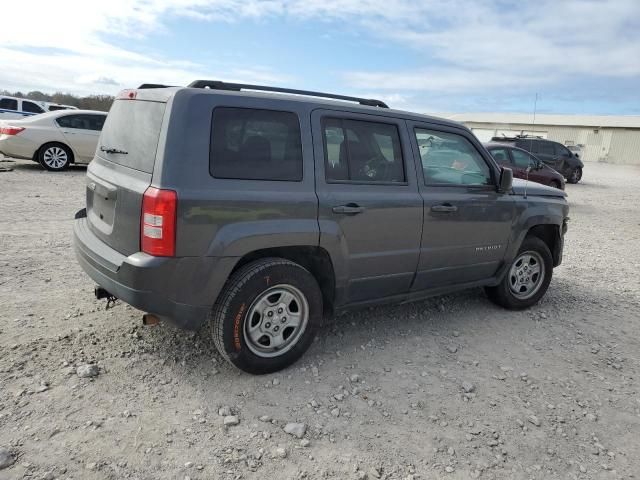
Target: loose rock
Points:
(6, 459)
(468, 387)
(231, 420)
(225, 411)
(87, 371)
(534, 420)
(296, 429)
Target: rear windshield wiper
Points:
(113, 150)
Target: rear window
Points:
(251, 144)
(132, 126)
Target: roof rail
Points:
(504, 138)
(218, 85)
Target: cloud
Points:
(105, 81)
(459, 46)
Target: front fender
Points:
(532, 212)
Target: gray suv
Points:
(263, 212)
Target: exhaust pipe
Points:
(101, 293)
(149, 319)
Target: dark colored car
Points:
(259, 213)
(554, 154)
(520, 160)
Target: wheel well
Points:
(550, 235)
(36, 155)
(314, 259)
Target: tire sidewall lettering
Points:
(237, 326)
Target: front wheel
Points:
(527, 279)
(267, 315)
(575, 175)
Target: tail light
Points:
(158, 222)
(10, 130)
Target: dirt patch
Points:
(453, 387)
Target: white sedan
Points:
(54, 139)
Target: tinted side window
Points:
(82, 122)
(65, 122)
(448, 158)
(8, 104)
(561, 151)
(528, 145)
(31, 107)
(251, 144)
(546, 148)
(96, 122)
(500, 155)
(522, 159)
(361, 151)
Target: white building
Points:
(613, 139)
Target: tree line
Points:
(91, 102)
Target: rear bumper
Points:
(17, 147)
(181, 290)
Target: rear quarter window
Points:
(252, 144)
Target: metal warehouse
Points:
(613, 139)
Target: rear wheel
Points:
(555, 184)
(575, 175)
(267, 315)
(55, 156)
(527, 279)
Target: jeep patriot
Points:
(261, 211)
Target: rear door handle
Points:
(444, 208)
(348, 209)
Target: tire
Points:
(555, 184)
(529, 292)
(55, 157)
(575, 175)
(242, 330)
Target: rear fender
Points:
(239, 239)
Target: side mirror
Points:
(576, 154)
(506, 180)
(539, 165)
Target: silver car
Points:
(54, 139)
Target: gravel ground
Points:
(453, 387)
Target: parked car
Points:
(554, 154)
(18, 108)
(525, 165)
(265, 212)
(55, 139)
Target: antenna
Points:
(533, 126)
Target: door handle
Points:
(348, 209)
(444, 208)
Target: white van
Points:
(16, 108)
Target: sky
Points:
(578, 56)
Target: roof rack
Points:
(153, 85)
(504, 138)
(218, 85)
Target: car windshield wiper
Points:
(113, 150)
